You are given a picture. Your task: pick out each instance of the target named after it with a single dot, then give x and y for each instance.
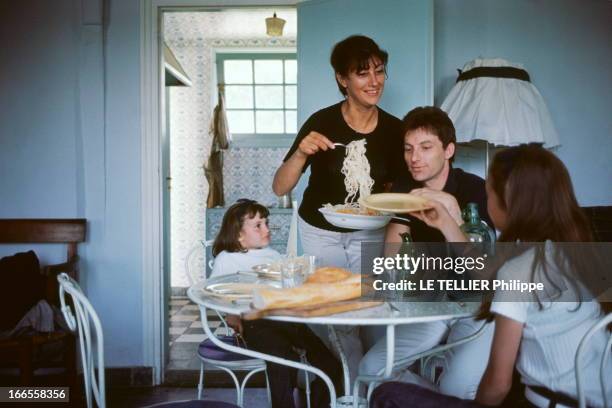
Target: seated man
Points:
(429, 146)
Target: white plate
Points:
(232, 290)
(355, 221)
(267, 271)
(395, 202)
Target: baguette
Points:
(309, 294)
(328, 274)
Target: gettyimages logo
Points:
(470, 271)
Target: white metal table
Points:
(388, 314)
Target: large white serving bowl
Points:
(355, 221)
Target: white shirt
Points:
(551, 335)
(231, 262)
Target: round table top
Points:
(403, 312)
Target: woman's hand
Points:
(314, 142)
(234, 322)
(289, 173)
(448, 200)
(438, 217)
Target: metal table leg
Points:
(388, 366)
(333, 337)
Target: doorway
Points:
(198, 39)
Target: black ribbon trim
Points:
(553, 397)
(494, 72)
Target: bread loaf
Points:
(328, 274)
(309, 294)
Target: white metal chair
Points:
(424, 358)
(82, 320)
(582, 347)
(226, 361)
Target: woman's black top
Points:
(384, 151)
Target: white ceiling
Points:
(226, 23)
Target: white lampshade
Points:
(493, 100)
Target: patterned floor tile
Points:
(183, 318)
(191, 338)
(178, 330)
(184, 323)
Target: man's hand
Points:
(449, 201)
(314, 142)
(234, 322)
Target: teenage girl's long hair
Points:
(228, 237)
(535, 191)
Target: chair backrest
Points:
(584, 345)
(197, 276)
(81, 323)
(48, 231)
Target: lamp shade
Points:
(494, 100)
(274, 26)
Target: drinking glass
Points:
(292, 272)
(310, 264)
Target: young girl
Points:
(531, 199)
(242, 243)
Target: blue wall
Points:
(38, 134)
(63, 155)
(565, 47)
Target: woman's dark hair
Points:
(354, 54)
(233, 220)
(535, 190)
(433, 120)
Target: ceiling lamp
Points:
(274, 26)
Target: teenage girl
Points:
(531, 200)
(242, 243)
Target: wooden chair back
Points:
(43, 231)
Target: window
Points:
(260, 97)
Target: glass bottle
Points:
(474, 228)
(406, 248)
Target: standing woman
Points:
(360, 71)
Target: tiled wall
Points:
(248, 173)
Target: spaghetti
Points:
(356, 170)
